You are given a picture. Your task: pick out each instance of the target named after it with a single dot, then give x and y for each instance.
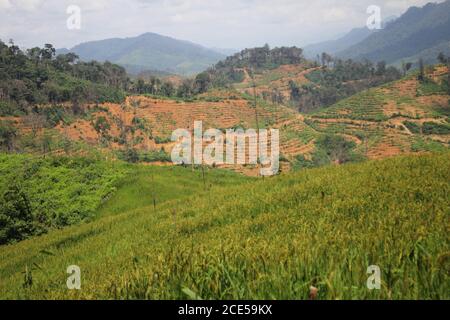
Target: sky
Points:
(235, 24)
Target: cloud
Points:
(5, 4)
(215, 23)
(28, 5)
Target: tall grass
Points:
(258, 239)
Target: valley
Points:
(89, 186)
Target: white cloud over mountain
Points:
(215, 23)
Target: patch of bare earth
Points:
(406, 87)
(384, 149)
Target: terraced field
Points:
(276, 79)
(376, 118)
(379, 121)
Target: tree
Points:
(202, 82)
(46, 142)
(442, 58)
(337, 148)
(421, 76)
(131, 155)
(406, 67)
(65, 62)
(167, 89)
(140, 86)
(295, 91)
(35, 55)
(277, 97)
(326, 59)
(448, 76)
(186, 89)
(48, 52)
(155, 85)
(8, 133)
(445, 60)
(16, 219)
(102, 126)
(38, 78)
(35, 121)
(381, 68)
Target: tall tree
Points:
(8, 133)
(421, 76)
(406, 66)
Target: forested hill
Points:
(283, 76)
(37, 76)
(236, 68)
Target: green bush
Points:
(430, 87)
(16, 219)
(412, 126)
(329, 149)
(129, 155)
(155, 156)
(38, 194)
(436, 128)
(159, 140)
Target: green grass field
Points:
(239, 238)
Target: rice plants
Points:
(250, 239)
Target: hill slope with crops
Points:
(240, 239)
(404, 116)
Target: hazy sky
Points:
(212, 23)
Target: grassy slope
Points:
(266, 239)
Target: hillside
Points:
(268, 239)
(152, 168)
(416, 32)
(403, 116)
(393, 118)
(149, 51)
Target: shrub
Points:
(412, 126)
(129, 155)
(436, 128)
(16, 220)
(159, 140)
(38, 194)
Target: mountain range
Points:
(418, 33)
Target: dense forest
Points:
(37, 76)
(262, 58)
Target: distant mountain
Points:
(149, 51)
(334, 46)
(420, 32)
(225, 51)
